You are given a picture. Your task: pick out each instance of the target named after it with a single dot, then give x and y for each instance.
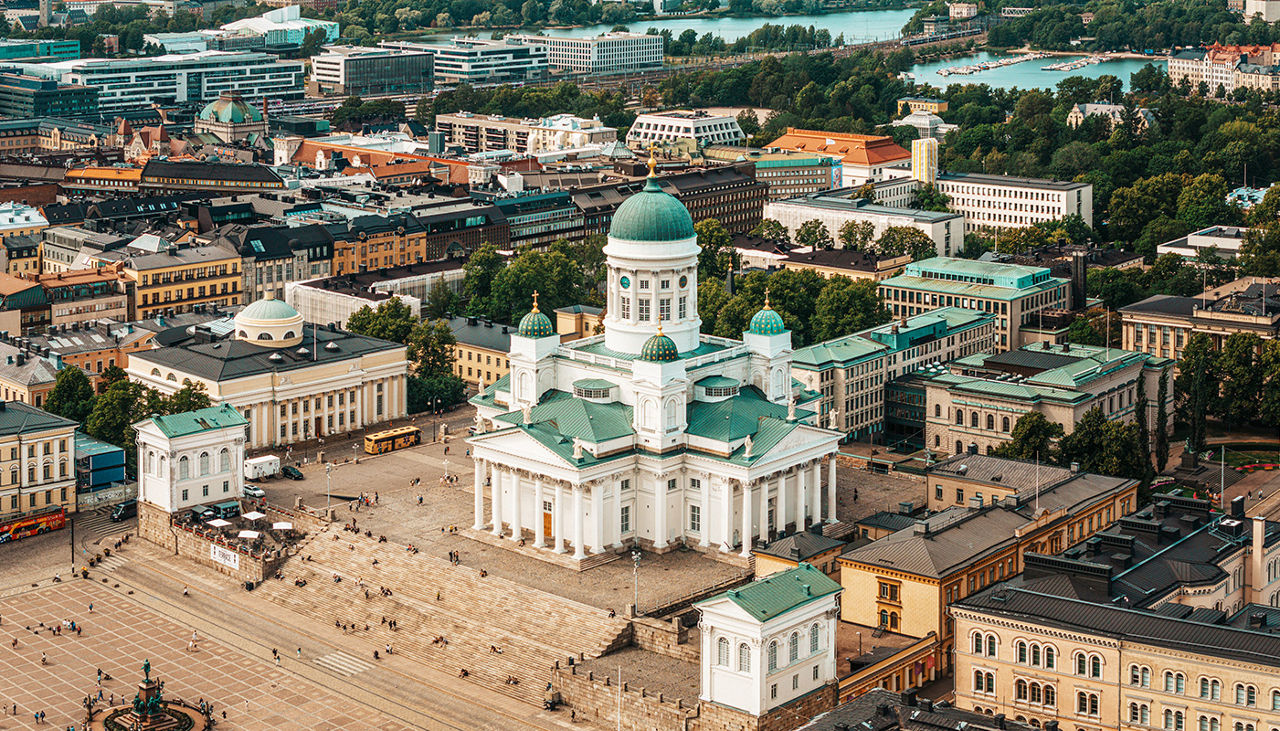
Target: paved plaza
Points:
(117, 636)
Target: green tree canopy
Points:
(813, 233)
(71, 396)
(846, 306)
(392, 320)
(899, 240)
(431, 348)
(718, 256)
(771, 230)
(1033, 437)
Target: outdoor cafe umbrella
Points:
(248, 534)
(219, 523)
(254, 515)
(282, 525)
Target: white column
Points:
(726, 507)
(578, 551)
(495, 498)
(660, 514)
(815, 499)
(831, 488)
(782, 502)
(517, 529)
(557, 517)
(479, 495)
(539, 519)
(764, 508)
(617, 511)
(704, 510)
(597, 518)
(802, 496)
(746, 520)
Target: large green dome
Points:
(652, 215)
(659, 349)
(230, 109)
(269, 309)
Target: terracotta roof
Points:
(108, 273)
(852, 148)
(105, 173)
(9, 284)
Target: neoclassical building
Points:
(651, 433)
(290, 379)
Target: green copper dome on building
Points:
(652, 215)
(230, 108)
(269, 309)
(766, 321)
(535, 324)
(659, 349)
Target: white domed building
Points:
(652, 433)
(292, 380)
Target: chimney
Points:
(999, 719)
(975, 503)
(1237, 507)
(909, 697)
(1257, 558)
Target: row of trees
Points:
(1239, 384)
(432, 382)
(853, 236)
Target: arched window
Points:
(978, 681)
(171, 377)
(1050, 657)
(184, 468)
(991, 644)
(1050, 696)
(1022, 651)
(773, 656)
(155, 371)
(13, 475)
(1035, 696)
(1020, 690)
(973, 419)
(264, 336)
(991, 422)
(884, 617)
(959, 447)
(977, 643)
(722, 652)
(960, 417)
(1035, 655)
(793, 652)
(744, 658)
(991, 682)
(1275, 700)
(813, 638)
(893, 621)
(224, 460)
(1095, 667)
(1004, 424)
(151, 463)
(204, 463)
(1082, 663)
(288, 334)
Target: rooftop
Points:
(20, 418)
(800, 546)
(843, 200)
(1008, 181)
(851, 148)
(481, 333)
(201, 420)
(776, 594)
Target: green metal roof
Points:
(200, 420)
(652, 215)
(231, 111)
(535, 325)
(969, 289)
(19, 418)
(736, 417)
(779, 593)
(574, 417)
(596, 383)
(717, 382)
(659, 349)
(838, 353)
(766, 322)
(269, 309)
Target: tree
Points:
(425, 394)
(190, 397)
(431, 348)
(1203, 202)
(857, 235)
(393, 321)
(111, 419)
(1104, 447)
(1162, 422)
(1269, 401)
(1196, 387)
(929, 198)
(478, 275)
(1033, 437)
(813, 233)
(846, 306)
(899, 240)
(441, 301)
(718, 256)
(554, 274)
(1140, 421)
(110, 376)
(749, 122)
(1241, 377)
(312, 42)
(71, 396)
(771, 230)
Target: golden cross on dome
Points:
(535, 300)
(766, 299)
(653, 159)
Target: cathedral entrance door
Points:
(546, 520)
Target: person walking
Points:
(299, 653)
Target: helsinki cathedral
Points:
(651, 433)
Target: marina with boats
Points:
(991, 64)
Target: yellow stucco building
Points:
(179, 278)
(37, 460)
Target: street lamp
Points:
(635, 580)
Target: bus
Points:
(31, 525)
(392, 439)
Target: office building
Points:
(179, 278)
(864, 157)
(207, 40)
(37, 453)
(359, 71)
(697, 128)
(99, 466)
(291, 380)
(1015, 294)
(540, 219)
(853, 372)
(273, 256)
(1223, 242)
(787, 173)
(24, 96)
(1165, 620)
(87, 295)
(833, 262)
(974, 405)
(909, 578)
(609, 53)
(486, 133)
(1162, 324)
(481, 61)
(835, 208)
(33, 50)
(284, 27)
(126, 84)
(449, 228)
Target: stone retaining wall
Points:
(596, 699)
(668, 638)
(715, 717)
(155, 525)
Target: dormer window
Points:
(721, 391)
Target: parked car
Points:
(124, 511)
(252, 490)
(293, 473)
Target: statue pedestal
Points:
(150, 715)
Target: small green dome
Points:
(766, 321)
(659, 349)
(652, 215)
(269, 309)
(230, 109)
(535, 324)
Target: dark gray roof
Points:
(217, 171)
(482, 333)
(1019, 475)
(1010, 181)
(19, 418)
(1165, 304)
(888, 520)
(1132, 625)
(227, 359)
(883, 710)
(1040, 360)
(800, 546)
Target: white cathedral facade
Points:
(652, 433)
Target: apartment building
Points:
(19, 219)
(1167, 619)
(731, 194)
(273, 256)
(480, 353)
(450, 228)
(487, 133)
(1015, 294)
(853, 372)
(481, 60)
(909, 578)
(835, 263)
(609, 53)
(974, 405)
(37, 460)
(787, 173)
(360, 71)
(1161, 325)
(702, 128)
(835, 208)
(179, 278)
(864, 158)
(87, 295)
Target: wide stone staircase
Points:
(431, 598)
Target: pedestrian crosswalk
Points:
(342, 664)
(111, 563)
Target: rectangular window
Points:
(624, 519)
(664, 308)
(644, 310)
(184, 495)
(684, 308)
(695, 518)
